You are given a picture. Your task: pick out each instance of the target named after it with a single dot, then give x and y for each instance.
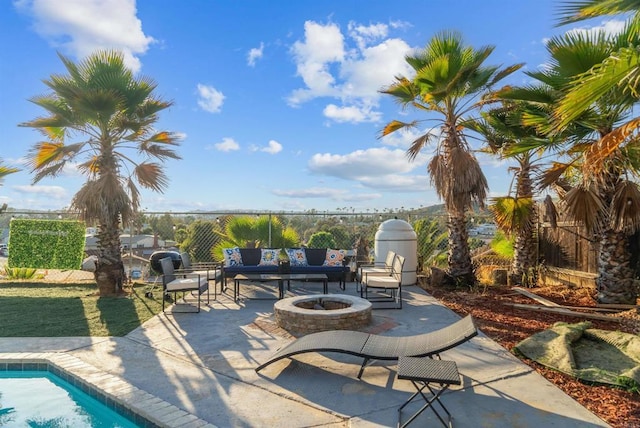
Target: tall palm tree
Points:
(449, 80)
(606, 202)
(515, 214)
(101, 103)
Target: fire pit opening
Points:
(320, 304)
(310, 314)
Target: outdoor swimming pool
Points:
(40, 398)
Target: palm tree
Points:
(620, 69)
(449, 79)
(255, 232)
(606, 202)
(515, 214)
(112, 112)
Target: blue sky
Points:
(277, 101)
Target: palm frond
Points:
(552, 175)
(151, 176)
(574, 11)
(550, 212)
(625, 207)
(584, 205)
(513, 214)
(607, 146)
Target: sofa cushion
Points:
(234, 270)
(315, 256)
(251, 256)
(232, 256)
(297, 256)
(334, 257)
(269, 257)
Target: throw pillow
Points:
(232, 256)
(269, 257)
(334, 257)
(297, 256)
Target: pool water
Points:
(42, 399)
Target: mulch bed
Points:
(507, 326)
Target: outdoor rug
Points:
(592, 355)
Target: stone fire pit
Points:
(310, 314)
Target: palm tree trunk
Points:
(110, 273)
(524, 254)
(459, 260)
(615, 281)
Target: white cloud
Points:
(81, 27)
(350, 70)
(55, 192)
(361, 165)
(610, 27)
(364, 35)
(211, 99)
(325, 192)
(255, 54)
(227, 145)
(273, 147)
(323, 45)
(353, 114)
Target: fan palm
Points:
(449, 79)
(597, 200)
(101, 103)
(620, 69)
(515, 214)
(252, 232)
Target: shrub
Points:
(19, 273)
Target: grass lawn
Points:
(32, 309)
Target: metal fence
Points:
(202, 234)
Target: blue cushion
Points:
(232, 256)
(297, 256)
(269, 257)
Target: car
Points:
(136, 274)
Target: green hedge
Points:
(46, 244)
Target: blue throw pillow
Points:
(297, 256)
(232, 256)
(269, 257)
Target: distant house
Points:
(139, 245)
(484, 229)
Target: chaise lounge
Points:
(373, 347)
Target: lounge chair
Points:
(373, 347)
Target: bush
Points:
(19, 273)
(322, 240)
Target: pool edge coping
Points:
(92, 379)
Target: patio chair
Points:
(375, 268)
(175, 281)
(210, 270)
(384, 287)
(372, 347)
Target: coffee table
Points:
(281, 278)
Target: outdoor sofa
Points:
(333, 263)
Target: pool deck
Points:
(204, 365)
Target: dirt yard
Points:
(494, 315)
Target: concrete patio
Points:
(204, 364)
